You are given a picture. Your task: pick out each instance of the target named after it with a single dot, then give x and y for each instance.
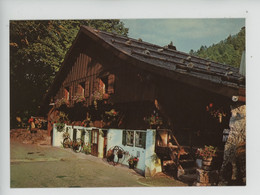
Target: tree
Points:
(228, 51)
(37, 49)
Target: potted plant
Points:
(206, 154)
(87, 148)
(132, 161)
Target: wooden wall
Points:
(84, 72)
(133, 85)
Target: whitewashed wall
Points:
(152, 162)
(100, 144)
(58, 136)
(114, 138)
(148, 162)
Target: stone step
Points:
(191, 170)
(187, 163)
(186, 171)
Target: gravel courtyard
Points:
(34, 166)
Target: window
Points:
(74, 134)
(108, 83)
(103, 84)
(95, 137)
(140, 139)
(81, 89)
(134, 138)
(83, 134)
(128, 138)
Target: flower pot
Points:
(131, 165)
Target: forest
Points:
(37, 49)
(228, 51)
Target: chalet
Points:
(118, 84)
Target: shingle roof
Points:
(162, 60)
(173, 60)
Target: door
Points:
(94, 142)
(104, 132)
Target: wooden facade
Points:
(137, 83)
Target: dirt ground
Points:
(37, 166)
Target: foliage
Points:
(79, 99)
(86, 122)
(133, 160)
(62, 119)
(97, 95)
(206, 152)
(110, 116)
(60, 126)
(87, 148)
(60, 102)
(112, 113)
(154, 119)
(216, 112)
(228, 51)
(37, 49)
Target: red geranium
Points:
(30, 120)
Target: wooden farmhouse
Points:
(119, 86)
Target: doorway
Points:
(94, 142)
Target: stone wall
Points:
(234, 152)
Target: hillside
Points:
(228, 51)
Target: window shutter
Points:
(90, 136)
(143, 139)
(124, 138)
(111, 81)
